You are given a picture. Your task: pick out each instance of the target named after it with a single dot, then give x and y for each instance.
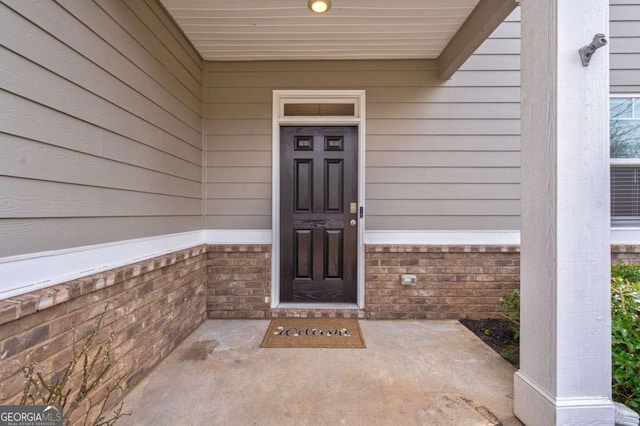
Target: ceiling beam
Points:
(484, 19)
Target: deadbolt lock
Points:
(353, 208)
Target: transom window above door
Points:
(624, 138)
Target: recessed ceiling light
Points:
(319, 6)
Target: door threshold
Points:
(317, 306)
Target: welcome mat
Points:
(313, 333)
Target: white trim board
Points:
(26, 273)
(625, 235)
(237, 236)
(443, 237)
(619, 235)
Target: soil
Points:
(496, 334)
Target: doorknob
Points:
(353, 222)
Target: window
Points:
(624, 134)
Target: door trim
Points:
(280, 98)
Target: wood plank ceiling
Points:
(243, 30)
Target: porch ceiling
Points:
(254, 30)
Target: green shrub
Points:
(625, 331)
(625, 334)
(511, 304)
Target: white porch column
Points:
(565, 364)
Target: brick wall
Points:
(625, 254)
(452, 281)
(153, 306)
(239, 281)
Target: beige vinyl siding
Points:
(625, 46)
(100, 124)
(440, 154)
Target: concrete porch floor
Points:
(411, 373)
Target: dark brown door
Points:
(318, 214)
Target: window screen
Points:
(624, 136)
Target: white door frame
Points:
(280, 98)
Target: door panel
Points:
(303, 185)
(318, 183)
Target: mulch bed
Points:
(495, 333)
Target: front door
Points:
(318, 214)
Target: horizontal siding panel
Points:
(100, 140)
(238, 191)
(624, 29)
(427, 141)
(498, 46)
(238, 159)
(442, 223)
(239, 143)
(492, 62)
(168, 74)
(245, 207)
(507, 29)
(30, 120)
(443, 175)
(443, 207)
(401, 110)
(239, 111)
(157, 29)
(624, 12)
(24, 198)
(28, 80)
(341, 79)
(426, 191)
(625, 45)
(28, 159)
(181, 65)
(238, 222)
(443, 159)
(629, 61)
(237, 95)
(147, 76)
(23, 236)
(382, 94)
(442, 94)
(61, 60)
(625, 77)
(442, 143)
(443, 127)
(484, 78)
(239, 175)
(238, 127)
(620, 2)
(169, 23)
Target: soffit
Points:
(249, 30)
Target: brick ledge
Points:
(409, 248)
(17, 307)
